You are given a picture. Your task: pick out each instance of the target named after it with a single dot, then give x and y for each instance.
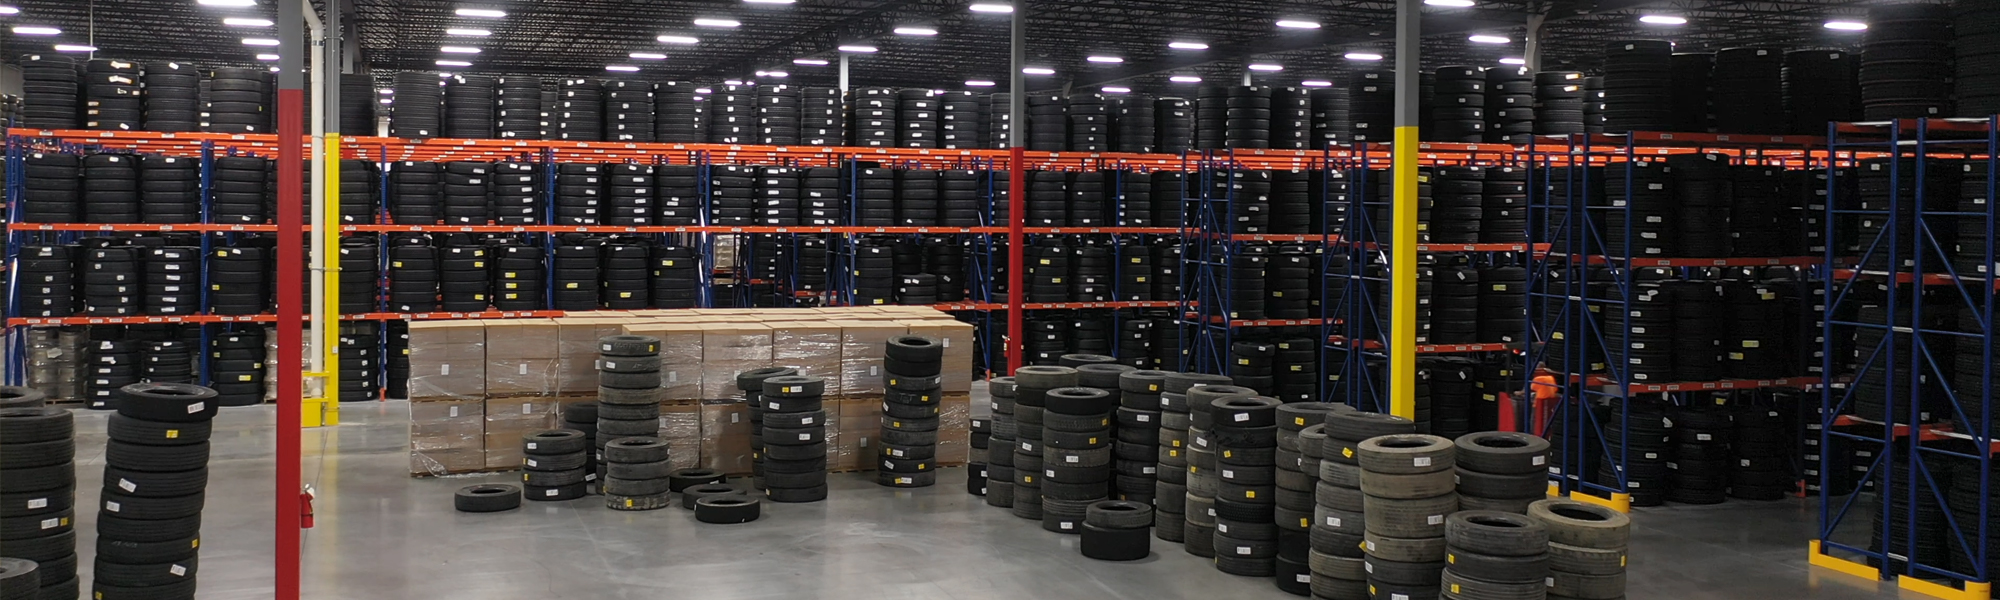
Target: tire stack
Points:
(1977, 79)
(518, 107)
(677, 117)
(636, 473)
(1171, 492)
(1748, 88)
(873, 121)
(155, 476)
(1076, 430)
(626, 282)
(1136, 448)
(732, 195)
(1510, 105)
(517, 283)
(1295, 479)
(1818, 87)
(628, 111)
(975, 465)
(1002, 444)
(167, 361)
(777, 115)
(794, 435)
(1408, 490)
(51, 191)
(173, 97)
(112, 95)
(1116, 530)
(413, 276)
(912, 377)
(1559, 102)
(1371, 107)
(628, 197)
(52, 92)
(111, 276)
(577, 277)
(1032, 386)
(1494, 554)
(751, 383)
(1593, 104)
(1647, 436)
(39, 472)
(463, 192)
(1046, 129)
(173, 280)
(418, 106)
(675, 195)
(1906, 62)
(1638, 86)
(1586, 548)
(1501, 471)
(1334, 559)
(469, 106)
(1089, 126)
(358, 182)
(47, 279)
(1760, 458)
(916, 119)
(113, 364)
(579, 190)
(628, 406)
(1244, 435)
(1339, 525)
(579, 110)
(1203, 479)
(110, 189)
(874, 275)
(1699, 471)
(237, 187)
(1174, 122)
(463, 282)
(916, 197)
(170, 190)
(556, 465)
(416, 193)
(821, 121)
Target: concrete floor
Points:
(381, 535)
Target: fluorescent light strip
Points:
(227, 3)
(1187, 45)
(978, 83)
(248, 41)
(992, 8)
(769, 1)
(483, 13)
(676, 39)
(75, 48)
(717, 23)
(1846, 25)
(1487, 39)
(9, 10)
(246, 22)
(1114, 89)
(453, 63)
(625, 68)
(267, 57)
(1266, 68)
(857, 48)
(1109, 60)
(1184, 79)
(647, 56)
(468, 32)
(1293, 24)
(458, 50)
(1037, 71)
(1364, 56)
(39, 30)
(811, 62)
(1513, 61)
(1663, 20)
(1450, 3)
(1316, 83)
(915, 31)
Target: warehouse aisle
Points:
(382, 535)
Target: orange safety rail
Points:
(1904, 277)
(142, 227)
(1772, 261)
(1708, 386)
(1430, 348)
(1928, 432)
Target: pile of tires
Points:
(518, 278)
(470, 106)
(1408, 488)
(577, 276)
(155, 478)
(1001, 445)
(113, 364)
(732, 115)
(1906, 68)
(464, 284)
(418, 106)
(1032, 387)
(1076, 472)
(52, 95)
(1510, 105)
(413, 274)
(486, 497)
(1172, 493)
(1638, 86)
(170, 192)
(821, 121)
(628, 111)
(792, 428)
(557, 465)
(913, 368)
(1501, 471)
(628, 406)
(582, 417)
(1586, 549)
(518, 107)
(677, 119)
(578, 111)
(1136, 447)
(975, 464)
(1116, 530)
(52, 189)
(1204, 483)
(1298, 463)
(47, 281)
(1338, 530)
(1760, 463)
(112, 95)
(637, 474)
(38, 469)
(1492, 554)
(1247, 538)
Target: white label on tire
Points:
(805, 436)
(1222, 528)
(806, 421)
(549, 492)
(1550, 582)
(123, 484)
(1423, 461)
(454, 412)
(1435, 520)
(196, 407)
(1703, 437)
(1242, 416)
(1147, 470)
(1333, 521)
(532, 463)
(1066, 525)
(1538, 460)
(1071, 458)
(531, 446)
(1228, 474)
(905, 480)
(1048, 473)
(1370, 567)
(51, 523)
(1145, 418)
(1394, 596)
(1244, 550)
(1303, 577)
(108, 505)
(38, 503)
(896, 453)
(177, 570)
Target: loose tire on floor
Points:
(485, 498)
(637, 503)
(1115, 544)
(1582, 525)
(727, 509)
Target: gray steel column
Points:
(843, 72)
(1017, 82)
(1532, 54)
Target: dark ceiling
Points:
(581, 37)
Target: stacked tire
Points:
(52, 191)
(913, 368)
(677, 118)
(637, 474)
(470, 106)
(37, 452)
(732, 115)
(1137, 447)
(112, 95)
(1906, 62)
(793, 431)
(237, 188)
(1116, 530)
(1171, 494)
(1076, 459)
(578, 111)
(236, 101)
(1408, 490)
(582, 417)
(155, 476)
(1638, 86)
(1492, 554)
(1586, 549)
(628, 406)
(1247, 538)
(1001, 445)
(1699, 470)
(173, 97)
(111, 190)
(557, 465)
(1339, 525)
(52, 98)
(46, 276)
(1501, 471)
(751, 383)
(1204, 480)
(1297, 461)
(628, 111)
(518, 107)
(1032, 386)
(111, 276)
(1977, 80)
(1760, 458)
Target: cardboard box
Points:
(576, 367)
(680, 357)
(725, 436)
(447, 437)
(811, 347)
(680, 428)
(961, 342)
(447, 360)
(860, 424)
(954, 430)
(861, 347)
(728, 349)
(520, 360)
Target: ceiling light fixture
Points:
(246, 22)
(1487, 39)
(915, 31)
(267, 57)
(385, 91)
(676, 39)
(1292, 24)
(1316, 83)
(1037, 71)
(732, 82)
(458, 50)
(857, 48)
(625, 68)
(1109, 60)
(992, 8)
(1117, 89)
(453, 63)
(388, 101)
(1450, 3)
(246, 41)
(79, 48)
(483, 13)
(40, 30)
(647, 56)
(1187, 45)
(9, 10)
(777, 74)
(1511, 60)
(1663, 20)
(978, 83)
(468, 32)
(1184, 79)
(1846, 25)
(810, 62)
(1366, 56)
(717, 23)
(1266, 67)
(228, 3)
(769, 1)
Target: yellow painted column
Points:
(1402, 346)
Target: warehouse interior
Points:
(1360, 299)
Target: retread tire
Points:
(156, 433)
(1412, 518)
(1045, 378)
(173, 591)
(152, 508)
(1382, 570)
(552, 479)
(1582, 525)
(793, 386)
(1460, 586)
(37, 454)
(486, 498)
(1405, 454)
(727, 509)
(1119, 514)
(1115, 544)
(639, 470)
(1587, 587)
(1495, 533)
(14, 396)
(687, 478)
(1524, 486)
(1586, 561)
(628, 364)
(636, 450)
(692, 493)
(753, 380)
(628, 381)
(1415, 550)
(1502, 453)
(554, 442)
(796, 495)
(1499, 569)
(610, 395)
(1411, 486)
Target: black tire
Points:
(174, 591)
(774, 404)
(753, 380)
(1405, 454)
(793, 386)
(628, 364)
(1044, 377)
(1119, 514)
(914, 349)
(1246, 412)
(1494, 533)
(156, 459)
(1340, 474)
(1586, 561)
(1458, 584)
(1587, 587)
(151, 508)
(1410, 518)
(627, 381)
(1339, 567)
(625, 412)
(1502, 453)
(632, 470)
(554, 442)
(553, 479)
(815, 418)
(1499, 569)
(14, 396)
(1115, 544)
(692, 493)
(34, 526)
(157, 433)
(146, 552)
(628, 345)
(1398, 573)
(727, 509)
(686, 478)
(1356, 426)
(486, 498)
(140, 530)
(553, 493)
(637, 503)
(167, 402)
(805, 452)
(1247, 567)
(1582, 525)
(1502, 487)
(36, 454)
(556, 462)
(1405, 487)
(609, 395)
(40, 424)
(635, 450)
(909, 480)
(145, 574)
(796, 495)
(620, 427)
(1411, 550)
(912, 383)
(36, 503)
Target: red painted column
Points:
(1017, 263)
(291, 343)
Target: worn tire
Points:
(793, 386)
(1586, 561)
(611, 395)
(485, 498)
(1582, 525)
(687, 478)
(1414, 550)
(1044, 377)
(1382, 570)
(1405, 454)
(552, 479)
(1499, 569)
(628, 345)
(554, 442)
(649, 380)
(139, 530)
(1502, 453)
(1587, 587)
(14, 396)
(635, 450)
(628, 364)
(1404, 487)
(1502, 487)
(1338, 498)
(41, 424)
(1412, 518)
(1495, 533)
(692, 493)
(727, 509)
(634, 471)
(156, 433)
(1461, 586)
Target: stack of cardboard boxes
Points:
(476, 386)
